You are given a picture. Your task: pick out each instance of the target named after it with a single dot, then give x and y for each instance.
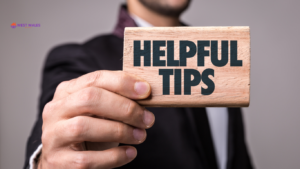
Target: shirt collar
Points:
(125, 20)
(140, 22)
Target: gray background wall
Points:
(272, 120)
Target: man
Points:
(87, 108)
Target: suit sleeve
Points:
(63, 63)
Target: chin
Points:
(176, 3)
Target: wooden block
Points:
(191, 66)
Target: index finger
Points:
(119, 82)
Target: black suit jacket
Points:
(172, 142)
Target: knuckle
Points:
(50, 134)
(88, 94)
(62, 86)
(130, 108)
(76, 127)
(115, 158)
(92, 78)
(45, 137)
(81, 161)
(49, 107)
(123, 77)
(50, 160)
(120, 128)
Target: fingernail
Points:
(139, 134)
(148, 118)
(141, 88)
(130, 152)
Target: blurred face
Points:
(171, 8)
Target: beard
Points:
(165, 9)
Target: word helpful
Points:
(187, 50)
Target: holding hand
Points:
(95, 112)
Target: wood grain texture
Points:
(232, 84)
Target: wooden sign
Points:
(191, 66)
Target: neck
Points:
(155, 19)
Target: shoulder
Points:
(66, 50)
(77, 50)
(103, 42)
(94, 54)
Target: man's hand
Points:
(95, 112)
